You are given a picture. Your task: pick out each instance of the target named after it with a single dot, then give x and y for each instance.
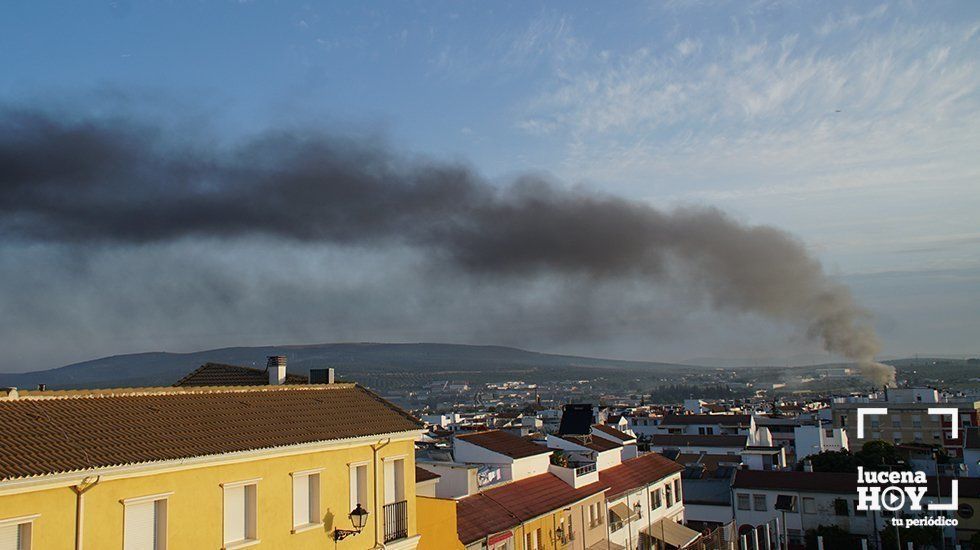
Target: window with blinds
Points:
(15, 536)
(145, 524)
(239, 512)
(306, 499)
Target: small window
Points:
(306, 499)
(744, 502)
(669, 495)
(809, 505)
(840, 507)
(239, 511)
(145, 523)
(759, 503)
(358, 485)
(656, 499)
(16, 533)
(896, 422)
(394, 475)
(795, 537)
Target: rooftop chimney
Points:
(8, 393)
(276, 367)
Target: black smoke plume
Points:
(118, 180)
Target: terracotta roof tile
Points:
(54, 432)
(504, 507)
(718, 419)
(217, 374)
(637, 472)
(504, 443)
(682, 440)
(421, 474)
(589, 442)
(609, 430)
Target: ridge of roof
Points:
(147, 391)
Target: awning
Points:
(606, 545)
(672, 533)
(621, 510)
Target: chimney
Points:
(41, 387)
(8, 394)
(276, 367)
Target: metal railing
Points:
(582, 470)
(396, 520)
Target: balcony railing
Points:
(587, 469)
(396, 520)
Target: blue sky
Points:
(855, 126)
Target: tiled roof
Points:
(504, 507)
(837, 483)
(421, 474)
(817, 482)
(595, 443)
(54, 432)
(614, 432)
(216, 374)
(718, 419)
(637, 472)
(504, 443)
(682, 440)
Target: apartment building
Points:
(787, 504)
(266, 466)
(908, 419)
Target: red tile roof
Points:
(504, 507)
(832, 482)
(717, 419)
(504, 443)
(682, 440)
(622, 436)
(817, 482)
(637, 472)
(421, 474)
(54, 432)
(217, 374)
(589, 442)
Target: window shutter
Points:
(389, 481)
(234, 513)
(10, 537)
(301, 500)
(354, 482)
(140, 529)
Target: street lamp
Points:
(358, 518)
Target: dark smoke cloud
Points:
(109, 181)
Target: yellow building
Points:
(275, 466)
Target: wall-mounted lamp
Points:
(358, 518)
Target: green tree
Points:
(880, 455)
(918, 536)
(834, 461)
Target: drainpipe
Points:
(378, 519)
(80, 490)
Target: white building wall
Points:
(629, 535)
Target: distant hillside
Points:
(352, 361)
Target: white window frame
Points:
(20, 521)
(234, 545)
(313, 502)
(164, 522)
(404, 478)
(352, 480)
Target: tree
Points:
(834, 461)
(880, 455)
